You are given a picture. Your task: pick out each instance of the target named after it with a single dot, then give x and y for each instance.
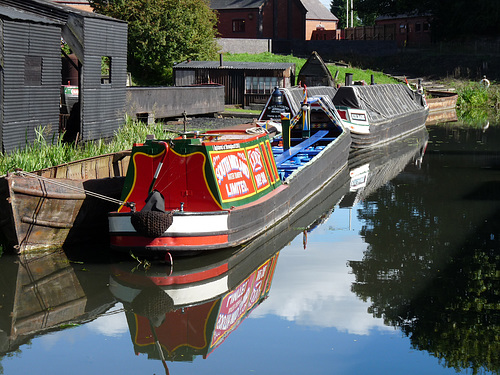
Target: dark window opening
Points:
(418, 27)
(33, 71)
(239, 26)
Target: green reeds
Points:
(44, 153)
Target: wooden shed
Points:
(245, 83)
(31, 78)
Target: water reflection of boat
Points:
(370, 169)
(41, 293)
(176, 312)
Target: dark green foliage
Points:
(338, 8)
(452, 19)
(162, 33)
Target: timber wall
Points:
(164, 102)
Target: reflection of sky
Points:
(111, 324)
(312, 287)
(329, 333)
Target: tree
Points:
(338, 7)
(162, 33)
(452, 19)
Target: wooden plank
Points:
(301, 146)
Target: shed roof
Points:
(51, 10)
(13, 14)
(317, 11)
(233, 65)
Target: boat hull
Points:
(52, 210)
(389, 130)
(205, 231)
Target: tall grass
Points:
(44, 153)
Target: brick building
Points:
(274, 19)
(411, 30)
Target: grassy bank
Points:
(358, 74)
(46, 152)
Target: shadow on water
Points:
(432, 267)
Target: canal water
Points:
(394, 269)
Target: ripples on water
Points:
(393, 269)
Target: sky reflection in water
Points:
(311, 323)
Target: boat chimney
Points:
(348, 79)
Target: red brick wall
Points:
(410, 31)
(225, 24)
(251, 19)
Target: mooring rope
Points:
(55, 181)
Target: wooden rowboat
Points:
(52, 207)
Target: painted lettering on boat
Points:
(233, 174)
(237, 189)
(238, 303)
(258, 169)
(232, 146)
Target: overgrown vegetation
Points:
(476, 104)
(473, 95)
(44, 153)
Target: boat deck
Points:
(289, 160)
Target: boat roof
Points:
(380, 101)
(296, 94)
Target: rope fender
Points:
(151, 223)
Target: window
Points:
(239, 26)
(261, 85)
(105, 69)
(418, 27)
(402, 28)
(33, 71)
(427, 26)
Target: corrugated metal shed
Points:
(31, 35)
(103, 102)
(31, 77)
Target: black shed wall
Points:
(29, 50)
(103, 104)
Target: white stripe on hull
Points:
(181, 224)
(181, 295)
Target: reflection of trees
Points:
(432, 266)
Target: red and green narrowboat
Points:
(220, 189)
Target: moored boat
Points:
(439, 100)
(374, 114)
(442, 106)
(220, 189)
(59, 205)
